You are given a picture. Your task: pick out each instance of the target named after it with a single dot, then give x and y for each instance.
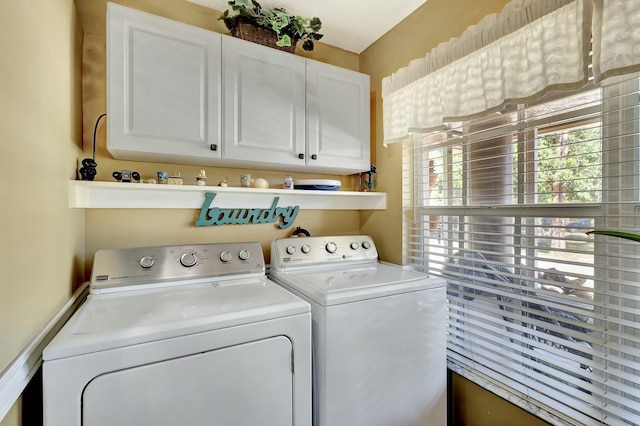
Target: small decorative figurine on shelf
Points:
(223, 182)
(369, 181)
(201, 178)
(126, 175)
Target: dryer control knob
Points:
(290, 250)
(331, 247)
(188, 259)
(225, 256)
(306, 248)
(244, 255)
(147, 262)
(366, 245)
(354, 246)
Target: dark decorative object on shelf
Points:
(369, 180)
(88, 170)
(126, 175)
(275, 27)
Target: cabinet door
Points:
(264, 104)
(163, 80)
(337, 118)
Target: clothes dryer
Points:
(378, 332)
(193, 335)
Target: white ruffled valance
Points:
(616, 37)
(530, 48)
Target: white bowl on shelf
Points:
(317, 184)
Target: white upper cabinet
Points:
(337, 118)
(163, 80)
(181, 94)
(264, 105)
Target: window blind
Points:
(538, 311)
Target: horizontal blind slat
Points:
(534, 303)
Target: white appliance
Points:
(181, 335)
(378, 332)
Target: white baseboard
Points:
(15, 378)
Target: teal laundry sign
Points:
(210, 216)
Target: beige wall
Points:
(40, 137)
(474, 406)
(142, 227)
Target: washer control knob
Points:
(366, 245)
(306, 248)
(244, 255)
(331, 247)
(225, 256)
(354, 246)
(147, 262)
(188, 259)
(290, 250)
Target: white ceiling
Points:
(352, 25)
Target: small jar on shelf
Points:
(288, 182)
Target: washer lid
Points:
(108, 321)
(331, 286)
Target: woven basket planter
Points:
(260, 35)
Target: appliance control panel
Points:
(311, 251)
(122, 269)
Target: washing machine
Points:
(181, 335)
(378, 332)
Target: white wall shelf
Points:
(118, 195)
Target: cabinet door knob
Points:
(301, 156)
(314, 157)
(213, 147)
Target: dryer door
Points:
(248, 384)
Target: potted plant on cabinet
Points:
(270, 27)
